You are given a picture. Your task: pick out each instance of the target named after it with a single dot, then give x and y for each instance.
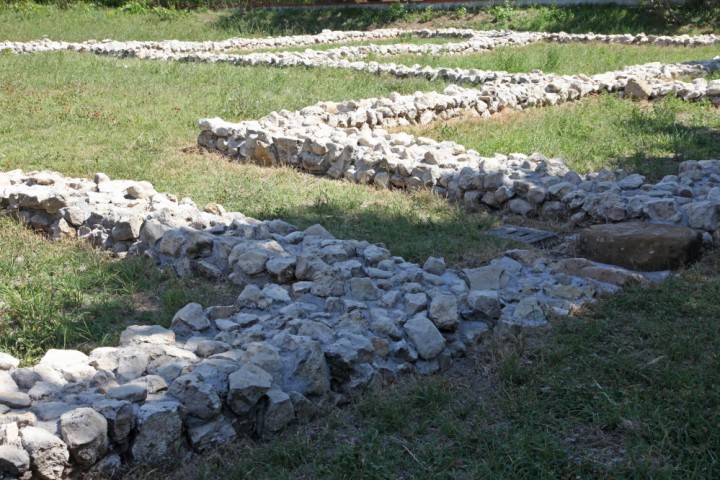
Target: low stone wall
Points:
(490, 38)
(316, 319)
(346, 140)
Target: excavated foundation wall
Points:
(316, 319)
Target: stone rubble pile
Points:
(316, 319)
(347, 140)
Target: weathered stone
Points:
(638, 89)
(190, 318)
(485, 303)
(132, 363)
(14, 399)
(641, 246)
(129, 392)
(128, 229)
(426, 338)
(385, 322)
(363, 289)
(14, 461)
(48, 454)
(528, 312)
(120, 417)
(159, 428)
(280, 411)
(584, 268)
(704, 215)
(492, 277)
(25, 378)
(443, 312)
(415, 302)
(108, 467)
(215, 433)
(282, 269)
(328, 282)
(152, 334)
(200, 399)
(304, 367)
(247, 386)
(85, 433)
(435, 265)
(8, 362)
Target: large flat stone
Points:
(641, 246)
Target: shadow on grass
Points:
(608, 19)
(306, 21)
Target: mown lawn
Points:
(627, 389)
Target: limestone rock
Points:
(426, 338)
(638, 89)
(152, 334)
(8, 362)
(444, 312)
(363, 289)
(85, 433)
(120, 417)
(48, 454)
(14, 461)
(640, 245)
(159, 428)
(280, 411)
(247, 386)
(199, 398)
(190, 318)
(212, 434)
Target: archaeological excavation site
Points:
(314, 316)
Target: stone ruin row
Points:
(350, 57)
(317, 319)
(347, 140)
(491, 38)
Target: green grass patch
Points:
(602, 132)
(69, 295)
(565, 59)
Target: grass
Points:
(23, 21)
(566, 59)
(627, 390)
(602, 132)
(69, 295)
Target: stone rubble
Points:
(316, 319)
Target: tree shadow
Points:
(303, 21)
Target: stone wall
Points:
(316, 319)
(347, 140)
